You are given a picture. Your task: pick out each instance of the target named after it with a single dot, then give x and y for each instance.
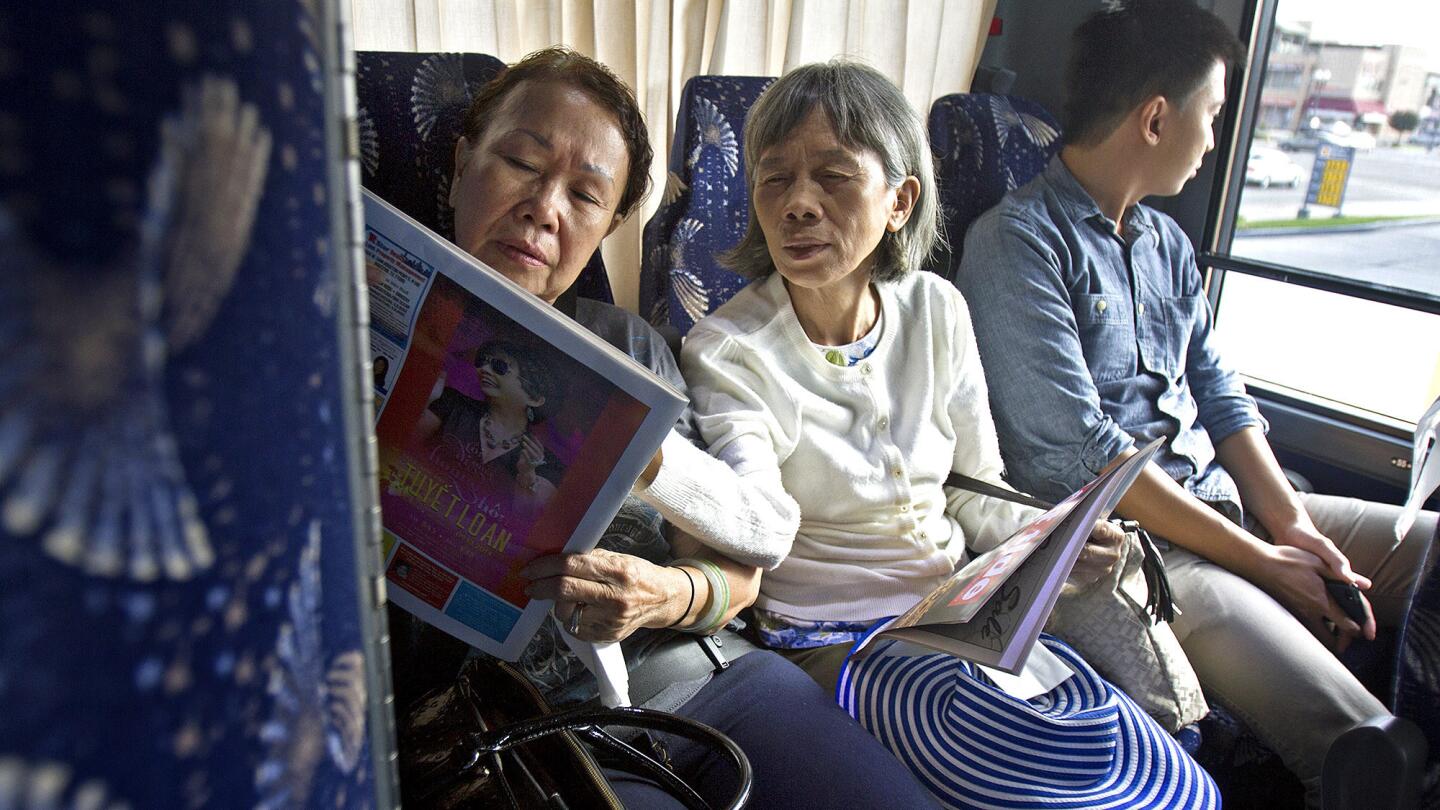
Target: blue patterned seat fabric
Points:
(411, 107)
(180, 611)
(1417, 669)
(985, 146)
(705, 207)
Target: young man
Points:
(1095, 334)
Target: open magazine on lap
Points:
(505, 432)
(992, 609)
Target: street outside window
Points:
(1343, 178)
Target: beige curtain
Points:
(928, 47)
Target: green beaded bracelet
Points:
(713, 617)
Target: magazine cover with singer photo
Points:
(505, 433)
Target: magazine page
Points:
(1003, 604)
(969, 588)
(505, 431)
(1424, 469)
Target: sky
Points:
(1373, 22)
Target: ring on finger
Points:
(573, 626)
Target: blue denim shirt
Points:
(1092, 342)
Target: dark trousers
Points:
(804, 750)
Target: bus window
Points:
(1332, 219)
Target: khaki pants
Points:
(1253, 656)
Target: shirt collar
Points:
(1076, 200)
(1081, 207)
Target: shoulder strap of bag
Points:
(989, 490)
(1160, 604)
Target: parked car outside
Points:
(1270, 167)
(1307, 140)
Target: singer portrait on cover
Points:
(493, 436)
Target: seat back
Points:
(985, 146)
(411, 110)
(1416, 694)
(706, 205)
(187, 536)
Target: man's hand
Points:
(1295, 567)
(1099, 556)
(1296, 578)
(1302, 534)
(621, 593)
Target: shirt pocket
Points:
(1182, 315)
(1106, 335)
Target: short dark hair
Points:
(595, 80)
(1135, 49)
(535, 376)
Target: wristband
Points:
(713, 618)
(689, 604)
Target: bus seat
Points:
(993, 80)
(1416, 693)
(188, 541)
(411, 108)
(705, 207)
(1377, 765)
(985, 146)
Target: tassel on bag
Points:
(1160, 604)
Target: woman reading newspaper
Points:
(554, 156)
(849, 380)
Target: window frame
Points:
(1349, 438)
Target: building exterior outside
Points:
(1353, 86)
(1288, 73)
(1334, 85)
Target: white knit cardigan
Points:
(864, 451)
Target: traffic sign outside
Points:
(1328, 177)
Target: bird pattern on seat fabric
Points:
(985, 146)
(182, 509)
(705, 204)
(1417, 670)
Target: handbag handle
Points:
(478, 753)
(1160, 604)
(589, 722)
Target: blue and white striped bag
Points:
(1083, 744)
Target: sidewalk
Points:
(1379, 253)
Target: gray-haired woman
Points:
(856, 382)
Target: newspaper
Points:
(1424, 469)
(505, 430)
(991, 611)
